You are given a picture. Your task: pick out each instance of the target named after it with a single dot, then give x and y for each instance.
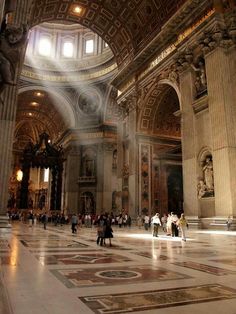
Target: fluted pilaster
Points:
(189, 143)
(221, 91)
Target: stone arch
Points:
(204, 152)
(175, 87)
(153, 101)
(63, 104)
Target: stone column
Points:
(71, 175)
(107, 187)
(120, 162)
(189, 144)
(7, 125)
(100, 179)
(220, 70)
(133, 168)
(163, 188)
(7, 121)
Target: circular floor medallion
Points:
(118, 274)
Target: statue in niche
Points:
(201, 81)
(206, 184)
(208, 174)
(12, 39)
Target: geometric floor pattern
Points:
(54, 272)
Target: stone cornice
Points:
(56, 77)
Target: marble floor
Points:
(55, 272)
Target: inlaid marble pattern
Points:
(52, 244)
(148, 300)
(151, 255)
(82, 258)
(140, 274)
(115, 276)
(205, 268)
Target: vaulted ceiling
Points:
(126, 25)
(36, 113)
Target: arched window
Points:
(89, 46)
(45, 46)
(68, 49)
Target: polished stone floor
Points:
(54, 272)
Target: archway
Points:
(161, 187)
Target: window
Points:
(89, 46)
(68, 49)
(46, 175)
(106, 45)
(45, 47)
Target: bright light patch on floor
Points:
(229, 233)
(146, 236)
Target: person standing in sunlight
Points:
(156, 223)
(183, 224)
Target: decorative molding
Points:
(200, 104)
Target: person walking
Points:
(155, 220)
(45, 220)
(101, 223)
(74, 223)
(146, 222)
(183, 224)
(174, 225)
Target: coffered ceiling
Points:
(126, 25)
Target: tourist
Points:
(174, 225)
(182, 224)
(229, 222)
(169, 225)
(155, 220)
(164, 223)
(74, 223)
(146, 222)
(139, 221)
(45, 220)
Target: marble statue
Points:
(208, 174)
(201, 81)
(205, 187)
(201, 188)
(12, 39)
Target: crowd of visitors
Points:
(171, 224)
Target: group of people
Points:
(104, 229)
(170, 224)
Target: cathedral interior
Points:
(124, 107)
